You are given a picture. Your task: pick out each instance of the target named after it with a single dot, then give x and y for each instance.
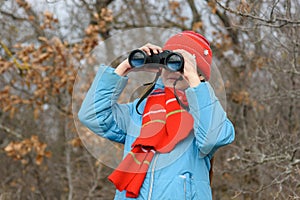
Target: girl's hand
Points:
(123, 68)
(190, 73)
(148, 47)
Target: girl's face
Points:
(168, 79)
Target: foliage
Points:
(21, 150)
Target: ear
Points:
(202, 79)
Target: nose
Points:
(177, 74)
(173, 72)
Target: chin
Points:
(179, 85)
(169, 83)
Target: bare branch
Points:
(272, 10)
(11, 132)
(195, 13)
(268, 22)
(11, 15)
(35, 23)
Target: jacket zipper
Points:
(184, 185)
(184, 188)
(152, 176)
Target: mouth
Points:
(173, 78)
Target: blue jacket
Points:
(184, 172)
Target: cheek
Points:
(163, 80)
(164, 75)
(182, 85)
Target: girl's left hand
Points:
(190, 73)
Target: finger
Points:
(147, 50)
(154, 47)
(189, 59)
(155, 51)
(148, 47)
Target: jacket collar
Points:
(159, 84)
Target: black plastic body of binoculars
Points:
(170, 60)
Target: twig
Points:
(268, 22)
(8, 130)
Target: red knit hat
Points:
(195, 44)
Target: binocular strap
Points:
(147, 91)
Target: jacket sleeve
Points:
(100, 111)
(212, 128)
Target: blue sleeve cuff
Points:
(200, 96)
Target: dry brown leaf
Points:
(39, 159)
(43, 39)
(9, 147)
(76, 142)
(48, 154)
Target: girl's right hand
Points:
(123, 68)
(148, 47)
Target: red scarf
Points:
(165, 123)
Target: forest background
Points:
(43, 45)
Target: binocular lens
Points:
(174, 62)
(137, 59)
(170, 60)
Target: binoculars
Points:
(170, 60)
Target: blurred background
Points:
(43, 44)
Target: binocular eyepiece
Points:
(170, 60)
